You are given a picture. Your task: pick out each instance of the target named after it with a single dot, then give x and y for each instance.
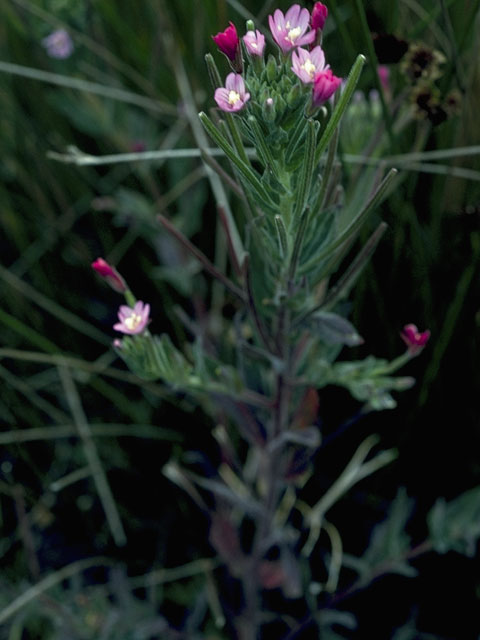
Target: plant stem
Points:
(201, 257)
(274, 472)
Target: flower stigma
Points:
(233, 97)
(133, 321)
(293, 34)
(309, 67)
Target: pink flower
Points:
(137, 146)
(133, 321)
(58, 44)
(110, 275)
(306, 64)
(384, 76)
(324, 86)
(254, 42)
(414, 340)
(319, 16)
(289, 30)
(233, 96)
(227, 41)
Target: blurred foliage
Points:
(56, 218)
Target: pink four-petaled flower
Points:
(254, 42)
(324, 86)
(319, 16)
(306, 64)
(133, 320)
(109, 274)
(233, 96)
(227, 41)
(414, 339)
(290, 30)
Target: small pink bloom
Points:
(58, 44)
(133, 321)
(414, 340)
(384, 77)
(233, 96)
(306, 64)
(109, 274)
(324, 86)
(254, 42)
(319, 16)
(290, 30)
(227, 41)
(137, 146)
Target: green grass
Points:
(67, 404)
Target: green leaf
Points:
(155, 357)
(366, 381)
(389, 543)
(455, 525)
(306, 172)
(334, 329)
(248, 174)
(330, 618)
(342, 104)
(346, 234)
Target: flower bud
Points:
(110, 275)
(324, 86)
(268, 110)
(319, 16)
(227, 41)
(414, 339)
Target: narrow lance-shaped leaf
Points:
(339, 110)
(262, 147)
(298, 243)
(245, 171)
(306, 174)
(356, 470)
(345, 283)
(355, 224)
(213, 72)
(281, 236)
(295, 137)
(327, 173)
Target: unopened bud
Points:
(268, 110)
(110, 275)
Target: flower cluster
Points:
(292, 31)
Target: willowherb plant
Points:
(292, 269)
